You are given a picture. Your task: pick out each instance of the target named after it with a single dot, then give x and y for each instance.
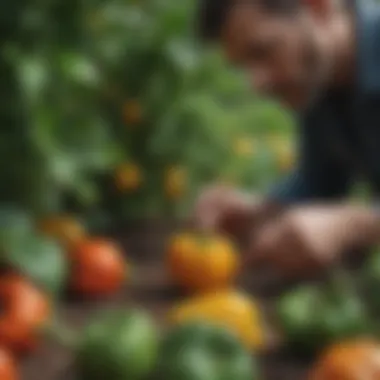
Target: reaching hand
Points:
(308, 239)
(224, 209)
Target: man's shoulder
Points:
(368, 49)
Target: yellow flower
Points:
(285, 158)
(132, 112)
(283, 151)
(128, 177)
(65, 229)
(175, 182)
(244, 146)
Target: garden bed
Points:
(144, 244)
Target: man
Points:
(322, 59)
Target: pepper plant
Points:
(111, 108)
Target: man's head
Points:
(288, 47)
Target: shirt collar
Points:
(368, 39)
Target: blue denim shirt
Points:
(340, 134)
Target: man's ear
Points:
(320, 9)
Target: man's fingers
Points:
(255, 257)
(209, 221)
(263, 247)
(204, 215)
(207, 209)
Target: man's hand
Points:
(224, 209)
(307, 239)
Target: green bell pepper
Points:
(200, 351)
(118, 346)
(314, 316)
(370, 276)
(297, 316)
(343, 314)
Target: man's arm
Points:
(319, 177)
(309, 238)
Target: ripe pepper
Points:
(229, 308)
(8, 366)
(98, 268)
(202, 263)
(201, 351)
(312, 316)
(350, 360)
(24, 310)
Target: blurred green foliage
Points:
(111, 108)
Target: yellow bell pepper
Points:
(228, 308)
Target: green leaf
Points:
(80, 69)
(14, 225)
(34, 77)
(40, 259)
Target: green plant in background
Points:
(110, 108)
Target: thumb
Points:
(208, 221)
(204, 216)
(261, 248)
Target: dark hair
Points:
(213, 13)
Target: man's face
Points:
(282, 54)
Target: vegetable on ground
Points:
(25, 310)
(202, 263)
(115, 345)
(8, 366)
(349, 360)
(314, 316)
(231, 309)
(98, 268)
(202, 351)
